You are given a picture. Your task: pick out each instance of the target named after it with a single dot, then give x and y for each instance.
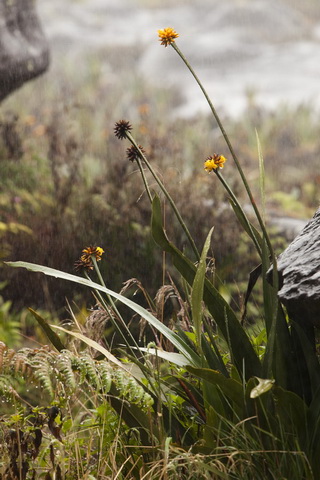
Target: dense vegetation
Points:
(177, 384)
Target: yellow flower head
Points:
(85, 261)
(213, 162)
(167, 36)
(92, 251)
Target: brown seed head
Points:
(133, 153)
(121, 128)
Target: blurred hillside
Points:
(266, 47)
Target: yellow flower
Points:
(167, 36)
(91, 251)
(213, 162)
(85, 261)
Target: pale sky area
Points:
(266, 47)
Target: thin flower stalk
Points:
(89, 259)
(167, 194)
(134, 155)
(236, 202)
(233, 154)
(108, 310)
(144, 179)
(112, 303)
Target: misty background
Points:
(266, 49)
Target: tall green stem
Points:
(94, 261)
(167, 195)
(235, 200)
(233, 154)
(144, 179)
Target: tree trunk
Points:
(24, 52)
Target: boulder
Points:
(24, 51)
(299, 275)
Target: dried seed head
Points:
(121, 128)
(133, 153)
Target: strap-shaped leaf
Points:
(52, 336)
(197, 291)
(245, 358)
(232, 389)
(174, 338)
(251, 230)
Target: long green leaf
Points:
(310, 438)
(93, 344)
(245, 223)
(270, 302)
(52, 336)
(292, 412)
(261, 176)
(278, 359)
(134, 417)
(172, 357)
(211, 352)
(253, 278)
(246, 360)
(230, 387)
(280, 355)
(310, 362)
(183, 348)
(197, 291)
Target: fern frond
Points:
(41, 364)
(6, 386)
(104, 371)
(6, 355)
(130, 389)
(88, 371)
(64, 366)
(49, 368)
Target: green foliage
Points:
(9, 324)
(223, 315)
(65, 371)
(210, 397)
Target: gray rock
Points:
(299, 275)
(24, 52)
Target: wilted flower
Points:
(87, 252)
(80, 265)
(214, 161)
(133, 152)
(121, 128)
(85, 261)
(167, 36)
